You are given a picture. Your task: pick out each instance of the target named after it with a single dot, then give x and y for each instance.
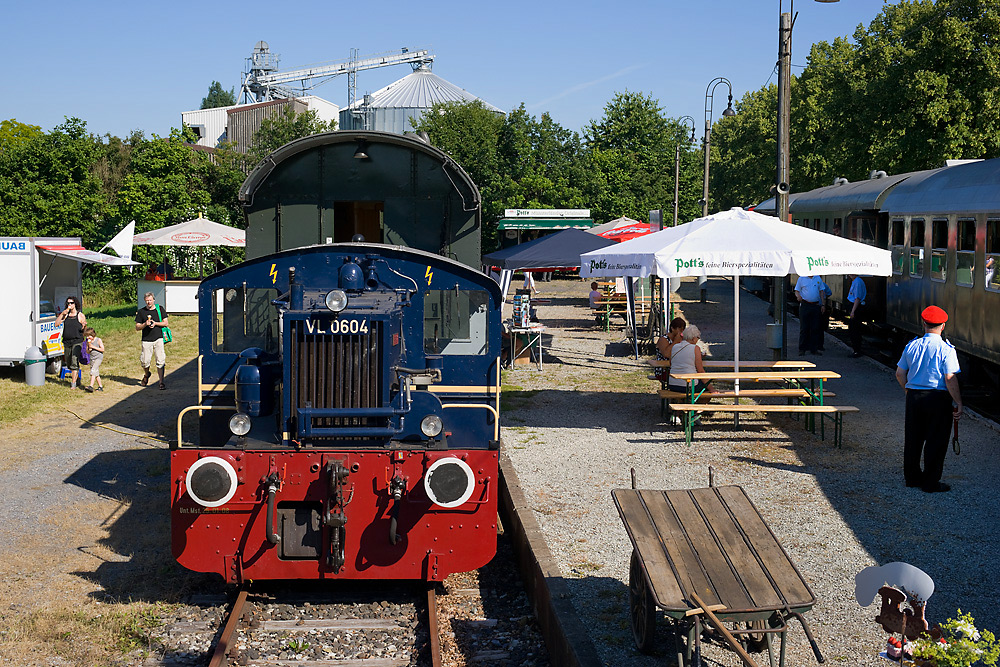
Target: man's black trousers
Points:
(928, 420)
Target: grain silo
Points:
(390, 109)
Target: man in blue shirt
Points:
(812, 293)
(927, 372)
(856, 297)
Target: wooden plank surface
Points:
(720, 363)
(712, 542)
(723, 407)
(725, 585)
(787, 579)
(758, 376)
(746, 393)
(686, 565)
(646, 541)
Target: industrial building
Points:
(391, 108)
(238, 123)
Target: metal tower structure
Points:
(262, 81)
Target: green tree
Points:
(274, 133)
(13, 133)
(469, 132)
(48, 186)
(744, 152)
(218, 97)
(632, 150)
(540, 163)
(931, 71)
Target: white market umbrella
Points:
(623, 221)
(736, 243)
(198, 232)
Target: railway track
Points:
(482, 617)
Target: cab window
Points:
(939, 250)
(455, 322)
(897, 234)
(917, 248)
(244, 317)
(992, 255)
(965, 256)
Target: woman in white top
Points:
(685, 357)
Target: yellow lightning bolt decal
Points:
(274, 274)
(429, 274)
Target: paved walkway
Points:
(574, 430)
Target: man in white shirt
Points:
(856, 297)
(812, 294)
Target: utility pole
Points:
(779, 287)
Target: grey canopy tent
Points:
(559, 250)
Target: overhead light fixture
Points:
(360, 153)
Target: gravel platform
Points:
(575, 429)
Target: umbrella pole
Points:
(736, 330)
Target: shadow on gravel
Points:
(952, 536)
(139, 528)
(142, 567)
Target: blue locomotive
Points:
(348, 391)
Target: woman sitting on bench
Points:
(685, 357)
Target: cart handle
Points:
(717, 624)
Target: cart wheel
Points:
(642, 609)
(755, 642)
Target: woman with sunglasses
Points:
(73, 321)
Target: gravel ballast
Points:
(574, 430)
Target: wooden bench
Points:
(801, 394)
(834, 412)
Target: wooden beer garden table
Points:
(714, 544)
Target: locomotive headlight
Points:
(336, 300)
(431, 426)
(211, 481)
(239, 424)
(449, 482)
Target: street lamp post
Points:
(677, 167)
(782, 187)
(709, 98)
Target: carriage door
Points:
(358, 217)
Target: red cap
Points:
(934, 315)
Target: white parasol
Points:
(736, 243)
(198, 232)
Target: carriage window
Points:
(939, 250)
(245, 318)
(455, 322)
(917, 248)
(965, 245)
(992, 255)
(898, 237)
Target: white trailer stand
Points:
(37, 274)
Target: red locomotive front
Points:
(329, 514)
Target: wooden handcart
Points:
(713, 546)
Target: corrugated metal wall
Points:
(245, 120)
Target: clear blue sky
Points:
(136, 65)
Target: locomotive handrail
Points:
(180, 415)
(496, 414)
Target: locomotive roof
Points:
(850, 196)
(260, 173)
(964, 189)
(381, 249)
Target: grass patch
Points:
(97, 635)
(115, 325)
